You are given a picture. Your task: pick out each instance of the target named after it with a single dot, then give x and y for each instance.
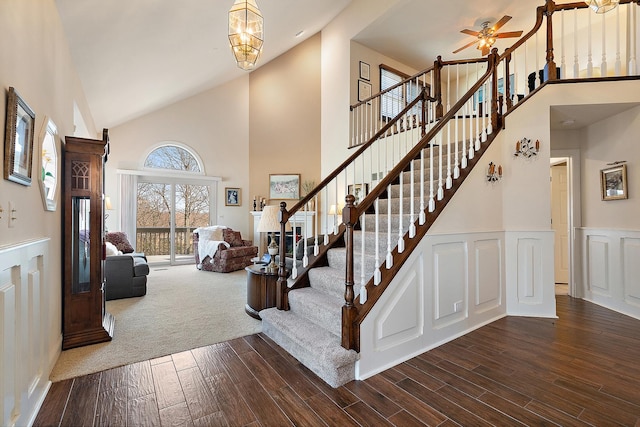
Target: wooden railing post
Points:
(493, 64)
(550, 68)
(437, 82)
(282, 299)
(349, 311)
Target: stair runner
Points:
(311, 330)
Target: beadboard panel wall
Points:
(610, 268)
(450, 285)
(25, 361)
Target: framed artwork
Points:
(365, 71)
(284, 186)
(359, 191)
(364, 90)
(232, 196)
(18, 139)
(613, 182)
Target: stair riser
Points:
(318, 309)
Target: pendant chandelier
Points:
(602, 6)
(246, 33)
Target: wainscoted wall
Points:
(530, 274)
(450, 285)
(610, 265)
(26, 356)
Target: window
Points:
(172, 157)
(393, 101)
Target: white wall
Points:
(37, 62)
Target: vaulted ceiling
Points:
(134, 57)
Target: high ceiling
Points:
(134, 57)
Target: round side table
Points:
(261, 289)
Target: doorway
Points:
(167, 213)
(560, 225)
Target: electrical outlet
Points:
(12, 214)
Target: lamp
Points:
(246, 28)
(270, 223)
(602, 6)
(107, 203)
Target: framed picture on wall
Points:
(364, 90)
(613, 182)
(232, 196)
(18, 143)
(359, 191)
(284, 186)
(365, 71)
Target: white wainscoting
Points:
(24, 323)
(610, 264)
(450, 285)
(530, 275)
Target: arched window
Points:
(173, 157)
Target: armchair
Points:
(222, 249)
(126, 276)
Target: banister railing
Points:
(405, 168)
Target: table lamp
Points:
(269, 223)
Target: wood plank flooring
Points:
(581, 369)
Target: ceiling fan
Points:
(487, 36)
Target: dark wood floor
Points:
(582, 369)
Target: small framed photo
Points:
(364, 90)
(359, 191)
(18, 139)
(613, 182)
(365, 71)
(284, 186)
(232, 196)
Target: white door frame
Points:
(572, 157)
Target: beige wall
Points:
(284, 119)
(214, 124)
(607, 141)
(37, 63)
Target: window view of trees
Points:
(155, 200)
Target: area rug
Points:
(184, 308)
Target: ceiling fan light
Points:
(602, 6)
(246, 33)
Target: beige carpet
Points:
(184, 308)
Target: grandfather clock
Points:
(85, 320)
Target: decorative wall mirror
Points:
(48, 172)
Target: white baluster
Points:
(448, 182)
(485, 104)
(576, 62)
(562, 50)
(377, 276)
(440, 178)
(422, 217)
(603, 64)
(412, 219)
(305, 256)
(325, 214)
(589, 56)
(401, 213)
(432, 202)
(456, 166)
(490, 101)
(314, 226)
(618, 64)
(464, 122)
(294, 268)
(363, 289)
(516, 76)
(633, 19)
(389, 257)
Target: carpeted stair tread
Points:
(315, 347)
(323, 309)
(331, 281)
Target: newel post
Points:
(349, 311)
(282, 298)
(550, 68)
(437, 82)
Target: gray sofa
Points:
(125, 276)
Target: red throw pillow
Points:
(119, 240)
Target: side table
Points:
(261, 289)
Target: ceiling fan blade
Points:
(465, 46)
(470, 32)
(500, 23)
(508, 34)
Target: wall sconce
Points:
(494, 173)
(525, 148)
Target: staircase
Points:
(311, 329)
(414, 164)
